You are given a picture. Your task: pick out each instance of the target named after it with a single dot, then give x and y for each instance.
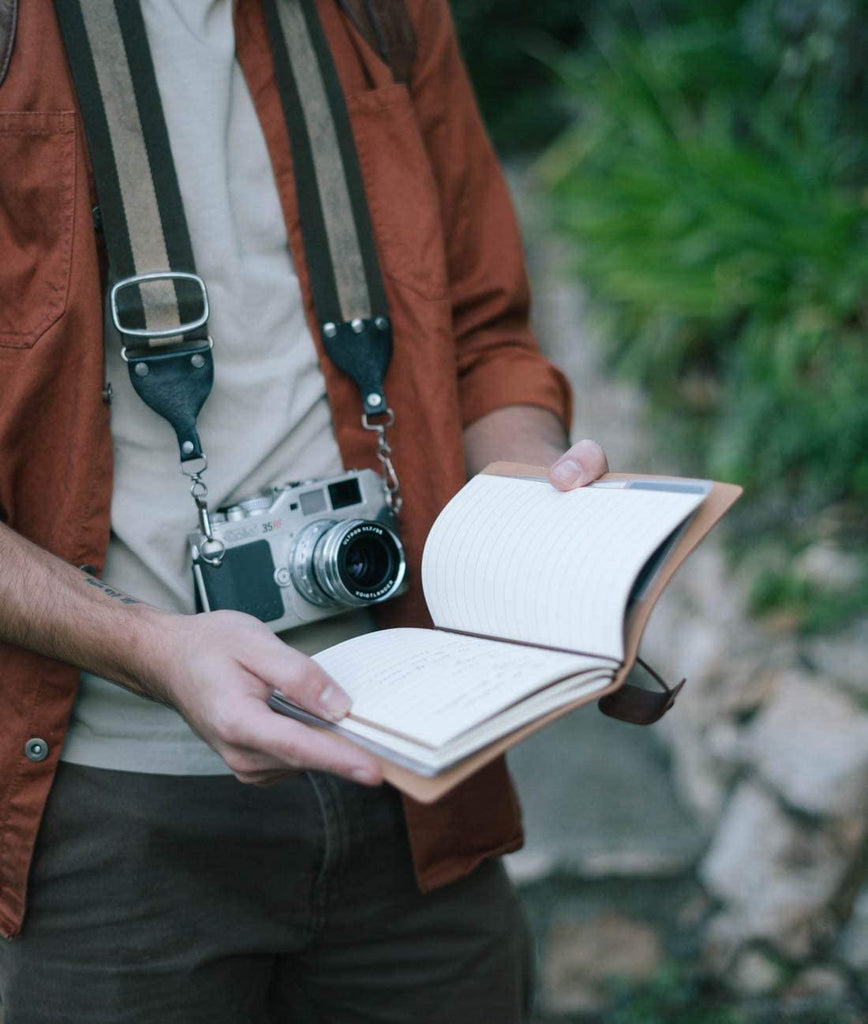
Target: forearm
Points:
(515, 433)
(216, 669)
(50, 607)
(526, 433)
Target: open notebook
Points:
(536, 596)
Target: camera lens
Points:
(359, 561)
(354, 562)
(367, 562)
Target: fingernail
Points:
(334, 702)
(365, 776)
(566, 472)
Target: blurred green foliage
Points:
(508, 48)
(715, 185)
(675, 995)
(811, 607)
(713, 180)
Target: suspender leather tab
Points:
(159, 304)
(362, 348)
(175, 385)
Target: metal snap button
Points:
(36, 749)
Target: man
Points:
(155, 887)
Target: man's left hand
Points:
(584, 462)
(525, 433)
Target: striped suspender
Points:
(140, 202)
(156, 298)
(338, 239)
(158, 302)
(347, 285)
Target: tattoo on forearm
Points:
(118, 595)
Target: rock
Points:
(775, 877)
(750, 680)
(638, 862)
(852, 944)
(842, 656)
(779, 879)
(756, 974)
(698, 779)
(703, 650)
(582, 958)
(819, 983)
(693, 911)
(724, 939)
(826, 565)
(598, 801)
(731, 670)
(528, 866)
(811, 745)
(725, 743)
(706, 584)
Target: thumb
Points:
(584, 462)
(296, 676)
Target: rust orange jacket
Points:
(458, 298)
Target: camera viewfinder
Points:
(344, 493)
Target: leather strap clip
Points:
(362, 348)
(175, 385)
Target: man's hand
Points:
(525, 433)
(217, 669)
(579, 465)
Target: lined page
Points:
(421, 756)
(431, 686)
(513, 557)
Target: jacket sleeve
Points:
(498, 360)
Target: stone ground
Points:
(609, 874)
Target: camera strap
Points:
(156, 300)
(346, 282)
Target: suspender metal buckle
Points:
(154, 333)
(195, 349)
(391, 483)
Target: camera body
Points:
(302, 552)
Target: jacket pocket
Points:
(37, 192)
(401, 190)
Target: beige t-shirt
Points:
(267, 420)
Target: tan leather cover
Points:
(714, 507)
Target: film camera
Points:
(302, 552)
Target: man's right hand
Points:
(217, 669)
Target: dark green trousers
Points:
(175, 900)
